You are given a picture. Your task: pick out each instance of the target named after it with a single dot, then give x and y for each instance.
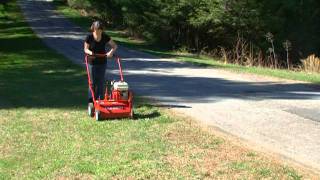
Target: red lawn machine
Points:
(116, 104)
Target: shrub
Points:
(79, 4)
(311, 64)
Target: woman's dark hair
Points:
(96, 25)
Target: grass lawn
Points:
(46, 133)
(161, 51)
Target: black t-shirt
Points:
(98, 47)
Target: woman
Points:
(95, 43)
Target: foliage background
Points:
(207, 25)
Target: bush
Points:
(311, 64)
(79, 4)
(208, 25)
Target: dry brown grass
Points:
(311, 64)
(217, 156)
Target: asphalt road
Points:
(279, 116)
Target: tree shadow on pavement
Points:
(151, 77)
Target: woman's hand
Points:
(113, 48)
(86, 49)
(109, 54)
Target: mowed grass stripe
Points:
(45, 131)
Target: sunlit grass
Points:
(46, 133)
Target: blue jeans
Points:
(97, 76)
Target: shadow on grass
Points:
(151, 115)
(151, 112)
(33, 76)
(138, 116)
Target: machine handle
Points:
(120, 68)
(96, 55)
(117, 59)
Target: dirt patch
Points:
(77, 177)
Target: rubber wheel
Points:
(97, 115)
(90, 109)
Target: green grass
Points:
(46, 133)
(163, 51)
(73, 14)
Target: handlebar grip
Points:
(96, 55)
(102, 55)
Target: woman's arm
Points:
(113, 48)
(86, 49)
